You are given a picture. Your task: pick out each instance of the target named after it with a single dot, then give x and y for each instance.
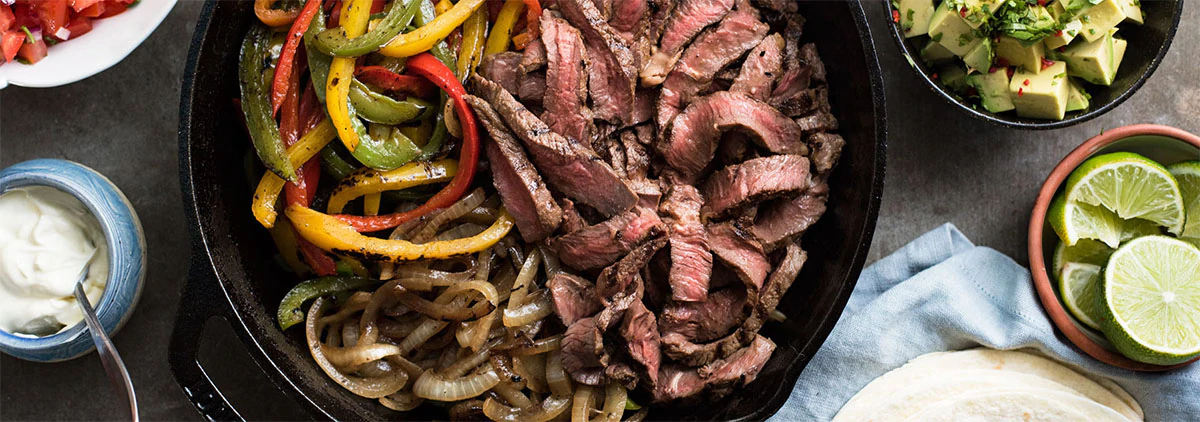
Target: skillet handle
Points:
(201, 301)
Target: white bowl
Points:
(109, 42)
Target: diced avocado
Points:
(1099, 18)
(1118, 54)
(979, 59)
(1041, 95)
(934, 52)
(1132, 9)
(993, 90)
(1057, 10)
(954, 77)
(976, 12)
(1069, 32)
(1017, 54)
(1094, 61)
(1077, 99)
(914, 16)
(949, 29)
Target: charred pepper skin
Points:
(256, 104)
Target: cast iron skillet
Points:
(234, 277)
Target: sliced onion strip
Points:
(367, 387)
(537, 308)
(432, 386)
(550, 409)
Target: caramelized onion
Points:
(533, 369)
(550, 409)
(421, 334)
(349, 358)
(367, 387)
(444, 312)
(548, 344)
(537, 308)
(524, 280)
(432, 386)
(402, 401)
(614, 403)
(556, 377)
(512, 394)
(451, 213)
(584, 404)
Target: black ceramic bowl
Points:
(233, 276)
(1148, 44)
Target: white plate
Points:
(109, 42)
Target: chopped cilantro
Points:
(29, 39)
(965, 39)
(936, 37)
(1086, 19)
(1060, 75)
(1092, 31)
(22, 60)
(50, 41)
(909, 15)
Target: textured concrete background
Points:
(942, 166)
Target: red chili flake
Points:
(1046, 63)
(1001, 62)
(896, 16)
(1058, 34)
(1020, 91)
(1026, 82)
(1041, 2)
(934, 76)
(963, 12)
(1009, 72)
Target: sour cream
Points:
(47, 237)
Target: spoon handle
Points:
(113, 365)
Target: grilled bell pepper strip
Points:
(424, 38)
(336, 41)
(285, 241)
(474, 35)
(341, 72)
(367, 181)
(283, 70)
(256, 105)
(391, 81)
(433, 69)
(290, 312)
(335, 164)
(333, 235)
(318, 62)
(316, 258)
(533, 17)
(273, 17)
(501, 34)
(441, 49)
(379, 108)
(267, 193)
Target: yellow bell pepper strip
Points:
(355, 14)
(501, 35)
(331, 234)
(442, 6)
(285, 242)
(425, 37)
(356, 266)
(273, 17)
(256, 103)
(473, 40)
(367, 181)
(335, 41)
(266, 196)
(371, 203)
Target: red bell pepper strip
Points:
(533, 16)
(385, 78)
(435, 71)
(283, 70)
(292, 125)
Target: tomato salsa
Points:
(28, 27)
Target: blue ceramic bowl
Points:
(126, 257)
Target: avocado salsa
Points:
(1031, 57)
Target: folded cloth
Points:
(940, 293)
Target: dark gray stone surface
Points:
(942, 167)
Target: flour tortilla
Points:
(934, 364)
(1047, 406)
(895, 399)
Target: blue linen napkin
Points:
(939, 293)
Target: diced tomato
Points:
(10, 44)
(7, 18)
(79, 25)
(79, 5)
(33, 52)
(93, 11)
(53, 15)
(25, 16)
(113, 8)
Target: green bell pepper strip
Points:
(379, 108)
(318, 62)
(440, 50)
(385, 153)
(256, 103)
(290, 312)
(334, 162)
(334, 41)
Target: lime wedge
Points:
(1130, 185)
(1087, 251)
(1151, 300)
(1075, 221)
(1188, 175)
(1080, 290)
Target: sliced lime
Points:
(1080, 290)
(1188, 175)
(1074, 222)
(1151, 300)
(1130, 185)
(1087, 251)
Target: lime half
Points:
(1188, 175)
(1130, 185)
(1074, 222)
(1151, 298)
(1080, 290)
(1087, 251)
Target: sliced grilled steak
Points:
(637, 160)
(643, 106)
(583, 352)
(677, 382)
(566, 89)
(569, 166)
(696, 132)
(820, 121)
(827, 148)
(739, 368)
(740, 252)
(713, 50)
(626, 14)
(574, 298)
(640, 331)
(602, 244)
(810, 58)
(784, 219)
(520, 186)
(763, 65)
(534, 57)
(623, 373)
(691, 262)
(616, 279)
(531, 87)
(777, 285)
(687, 20)
(722, 312)
(612, 72)
(501, 68)
(754, 180)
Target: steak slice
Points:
(677, 382)
(740, 368)
(626, 14)
(574, 298)
(570, 166)
(777, 285)
(784, 219)
(737, 186)
(722, 312)
(501, 68)
(531, 88)
(612, 72)
(687, 20)
(583, 352)
(601, 244)
(827, 148)
(763, 65)
(697, 131)
(640, 331)
(520, 186)
(617, 278)
(534, 57)
(712, 51)
(691, 261)
(566, 90)
(740, 252)
(820, 121)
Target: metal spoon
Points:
(113, 365)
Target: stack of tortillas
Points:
(989, 385)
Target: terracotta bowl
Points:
(1164, 144)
